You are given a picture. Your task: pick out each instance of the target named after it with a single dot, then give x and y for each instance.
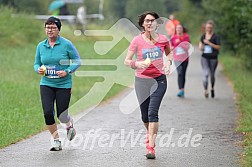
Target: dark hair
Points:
(53, 20)
(183, 27)
(142, 17)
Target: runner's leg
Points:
(205, 67)
(47, 95)
(213, 66)
(158, 89)
(63, 96)
(184, 68)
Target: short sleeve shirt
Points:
(154, 52)
(208, 51)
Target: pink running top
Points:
(155, 52)
(180, 51)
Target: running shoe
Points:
(206, 94)
(71, 132)
(150, 153)
(56, 146)
(181, 93)
(212, 93)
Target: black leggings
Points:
(181, 70)
(48, 97)
(150, 93)
(209, 66)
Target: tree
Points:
(92, 6)
(29, 6)
(135, 8)
(114, 9)
(171, 6)
(233, 23)
(117, 8)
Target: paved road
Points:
(182, 124)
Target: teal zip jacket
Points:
(63, 56)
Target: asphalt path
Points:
(194, 132)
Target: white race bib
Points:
(51, 71)
(152, 53)
(208, 49)
(180, 51)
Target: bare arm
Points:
(168, 53)
(128, 60)
(168, 63)
(201, 45)
(217, 47)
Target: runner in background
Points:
(171, 25)
(150, 73)
(209, 45)
(180, 55)
(203, 28)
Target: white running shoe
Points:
(56, 146)
(71, 132)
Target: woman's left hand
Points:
(61, 73)
(207, 42)
(166, 68)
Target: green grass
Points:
(241, 78)
(18, 30)
(20, 110)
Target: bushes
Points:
(34, 6)
(233, 20)
(19, 29)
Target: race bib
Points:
(152, 53)
(180, 51)
(208, 49)
(51, 71)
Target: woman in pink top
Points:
(180, 47)
(150, 76)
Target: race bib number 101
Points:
(51, 71)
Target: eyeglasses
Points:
(51, 28)
(149, 21)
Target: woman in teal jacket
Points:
(56, 59)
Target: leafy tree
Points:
(232, 20)
(92, 6)
(117, 8)
(171, 6)
(29, 6)
(114, 10)
(235, 25)
(135, 8)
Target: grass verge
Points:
(242, 81)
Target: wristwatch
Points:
(68, 71)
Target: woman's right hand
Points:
(41, 71)
(201, 46)
(141, 64)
